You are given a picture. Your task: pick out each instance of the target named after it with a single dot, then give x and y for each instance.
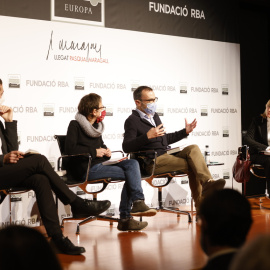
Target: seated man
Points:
(225, 219)
(35, 172)
(144, 131)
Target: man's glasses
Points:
(150, 100)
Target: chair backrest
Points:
(61, 140)
(72, 177)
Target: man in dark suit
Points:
(35, 172)
(224, 219)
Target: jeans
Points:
(127, 170)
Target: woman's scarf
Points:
(88, 127)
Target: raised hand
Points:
(191, 126)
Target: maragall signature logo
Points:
(64, 45)
(94, 2)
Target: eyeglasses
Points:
(150, 100)
(103, 108)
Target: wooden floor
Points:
(167, 243)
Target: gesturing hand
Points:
(7, 113)
(191, 126)
(156, 132)
(13, 157)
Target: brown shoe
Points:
(212, 185)
(130, 224)
(141, 209)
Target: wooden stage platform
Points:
(167, 243)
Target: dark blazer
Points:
(221, 262)
(256, 137)
(135, 137)
(9, 138)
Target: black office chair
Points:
(142, 158)
(71, 181)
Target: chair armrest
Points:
(118, 151)
(87, 155)
(71, 178)
(143, 158)
(257, 167)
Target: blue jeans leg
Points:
(127, 170)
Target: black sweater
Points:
(256, 137)
(135, 137)
(9, 138)
(77, 142)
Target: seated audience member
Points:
(258, 139)
(144, 131)
(36, 173)
(225, 219)
(84, 135)
(26, 248)
(253, 255)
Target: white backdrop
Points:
(44, 81)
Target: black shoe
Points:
(89, 208)
(65, 246)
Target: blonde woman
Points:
(258, 140)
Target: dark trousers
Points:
(36, 173)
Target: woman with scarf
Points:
(84, 135)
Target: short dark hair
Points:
(137, 94)
(23, 247)
(228, 217)
(88, 103)
(1, 82)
